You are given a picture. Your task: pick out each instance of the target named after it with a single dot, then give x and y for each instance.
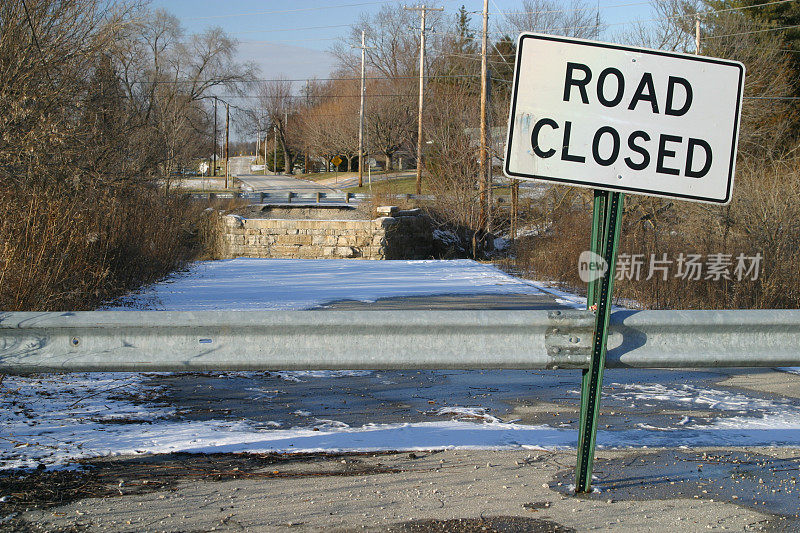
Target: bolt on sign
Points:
(624, 119)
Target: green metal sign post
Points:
(606, 228)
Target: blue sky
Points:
(291, 39)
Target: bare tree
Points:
(331, 126)
(278, 104)
(392, 44)
(453, 157)
(573, 19)
(48, 53)
(391, 119)
(168, 79)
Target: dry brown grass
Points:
(764, 217)
(73, 252)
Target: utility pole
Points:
(483, 179)
(286, 169)
(697, 34)
(227, 142)
(489, 191)
(214, 171)
(266, 133)
(308, 96)
(423, 9)
(361, 112)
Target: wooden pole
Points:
(696, 34)
(421, 99)
(489, 192)
(305, 158)
(423, 10)
(227, 143)
(482, 179)
(214, 171)
(361, 115)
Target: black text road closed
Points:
(628, 119)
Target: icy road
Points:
(55, 419)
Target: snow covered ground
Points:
(287, 284)
(54, 419)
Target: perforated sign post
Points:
(620, 119)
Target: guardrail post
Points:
(347, 197)
(607, 210)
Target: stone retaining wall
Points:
(402, 235)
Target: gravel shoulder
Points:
(765, 380)
(521, 490)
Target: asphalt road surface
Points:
(281, 184)
(240, 165)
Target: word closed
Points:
(627, 119)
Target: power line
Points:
(294, 41)
(295, 96)
(264, 96)
(751, 32)
(283, 11)
(273, 30)
(710, 12)
(506, 13)
(266, 80)
(655, 19)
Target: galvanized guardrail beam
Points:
(297, 340)
(300, 197)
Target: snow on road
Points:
(286, 284)
(54, 419)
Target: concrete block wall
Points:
(406, 235)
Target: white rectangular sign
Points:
(626, 119)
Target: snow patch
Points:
(473, 413)
(296, 375)
(446, 237)
(500, 243)
(287, 284)
(697, 397)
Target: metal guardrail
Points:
(301, 197)
(283, 197)
(303, 340)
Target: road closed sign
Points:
(624, 119)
